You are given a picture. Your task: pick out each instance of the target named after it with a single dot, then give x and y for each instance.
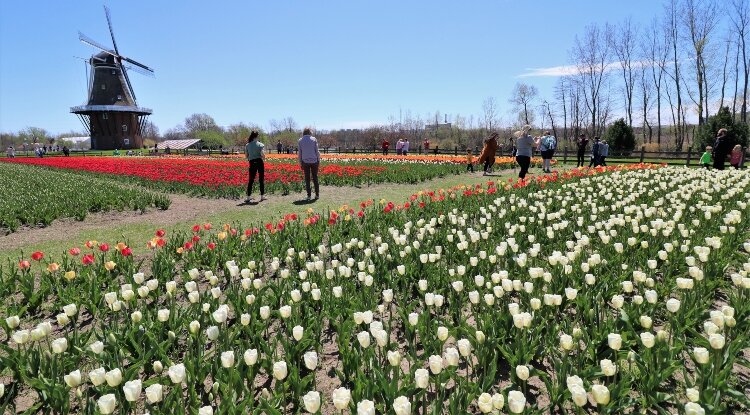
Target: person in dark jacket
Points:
(582, 142)
(722, 147)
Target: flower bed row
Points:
(36, 197)
(587, 291)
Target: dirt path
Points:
(185, 209)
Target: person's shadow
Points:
(304, 202)
(253, 203)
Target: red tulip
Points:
(24, 264)
(37, 256)
(87, 259)
(211, 246)
(74, 251)
(104, 247)
(126, 251)
(160, 233)
(196, 228)
(188, 245)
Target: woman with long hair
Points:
(255, 155)
(487, 156)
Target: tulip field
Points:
(613, 290)
(33, 196)
(227, 176)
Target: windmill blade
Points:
(137, 64)
(127, 79)
(111, 32)
(89, 41)
(139, 70)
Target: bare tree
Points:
(489, 113)
(560, 93)
(701, 17)
(725, 76)
(646, 91)
(591, 55)
(655, 52)
(523, 98)
(150, 131)
(623, 42)
(741, 21)
(549, 114)
(671, 25)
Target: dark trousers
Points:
(385, 151)
(594, 161)
(602, 160)
(524, 162)
(256, 166)
(488, 164)
(470, 167)
(311, 169)
(719, 162)
(581, 158)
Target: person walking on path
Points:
(547, 146)
(487, 156)
(721, 149)
(603, 153)
(255, 155)
(595, 152)
(582, 143)
(524, 149)
(309, 161)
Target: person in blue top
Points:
(595, 153)
(255, 155)
(547, 146)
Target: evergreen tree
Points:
(620, 136)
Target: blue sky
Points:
(328, 64)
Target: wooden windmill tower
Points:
(112, 115)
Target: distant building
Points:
(433, 127)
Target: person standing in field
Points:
(255, 155)
(581, 143)
(706, 158)
(399, 146)
(426, 145)
(524, 150)
(487, 156)
(721, 149)
(736, 157)
(595, 152)
(405, 147)
(385, 146)
(309, 161)
(469, 161)
(279, 147)
(603, 153)
(547, 147)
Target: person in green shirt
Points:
(706, 158)
(255, 156)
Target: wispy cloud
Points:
(565, 70)
(553, 71)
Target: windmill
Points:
(112, 115)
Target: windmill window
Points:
(113, 71)
(104, 86)
(105, 116)
(124, 128)
(119, 97)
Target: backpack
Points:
(550, 142)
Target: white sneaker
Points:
(248, 199)
(263, 197)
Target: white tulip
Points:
(402, 406)
(311, 360)
(280, 370)
(107, 404)
(177, 373)
(132, 390)
(311, 401)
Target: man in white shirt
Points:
(309, 160)
(405, 148)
